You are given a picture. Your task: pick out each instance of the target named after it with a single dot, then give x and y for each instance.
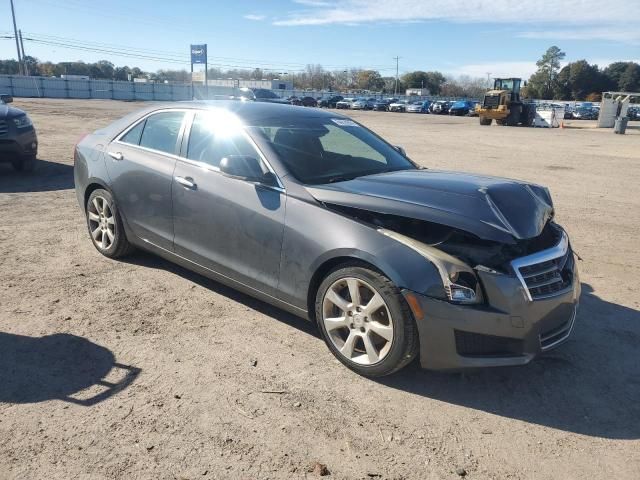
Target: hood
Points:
(491, 208)
(7, 111)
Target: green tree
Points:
(562, 86)
(542, 83)
(579, 79)
(370, 80)
(106, 69)
(613, 72)
(121, 73)
(390, 85)
(419, 79)
(630, 78)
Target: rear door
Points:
(231, 226)
(140, 163)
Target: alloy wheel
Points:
(102, 224)
(357, 321)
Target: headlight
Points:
(22, 122)
(459, 280)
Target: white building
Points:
(420, 92)
(268, 84)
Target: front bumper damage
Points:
(515, 323)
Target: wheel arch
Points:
(326, 265)
(93, 185)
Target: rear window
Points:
(161, 131)
(133, 136)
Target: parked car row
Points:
(440, 107)
(582, 111)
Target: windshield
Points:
(320, 150)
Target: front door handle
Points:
(187, 182)
(116, 155)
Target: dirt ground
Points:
(141, 369)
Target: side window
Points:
(339, 140)
(161, 131)
(133, 136)
(212, 139)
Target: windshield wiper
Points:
(341, 179)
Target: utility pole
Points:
(15, 34)
(24, 57)
(397, 59)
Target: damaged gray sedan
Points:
(312, 212)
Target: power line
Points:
(166, 56)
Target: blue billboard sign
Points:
(199, 54)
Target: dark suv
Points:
(18, 140)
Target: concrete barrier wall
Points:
(48, 87)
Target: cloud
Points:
(607, 20)
(620, 34)
(254, 17)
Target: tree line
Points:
(579, 80)
(313, 77)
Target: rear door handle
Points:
(116, 155)
(187, 182)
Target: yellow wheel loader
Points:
(503, 104)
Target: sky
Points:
(470, 37)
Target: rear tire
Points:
(365, 321)
(105, 225)
(528, 116)
(513, 118)
(485, 121)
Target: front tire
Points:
(105, 225)
(365, 321)
(485, 121)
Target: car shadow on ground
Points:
(59, 367)
(150, 260)
(48, 177)
(590, 385)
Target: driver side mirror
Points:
(6, 98)
(247, 168)
(401, 150)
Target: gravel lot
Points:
(141, 369)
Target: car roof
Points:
(250, 111)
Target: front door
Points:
(226, 224)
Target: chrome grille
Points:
(546, 273)
(4, 127)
